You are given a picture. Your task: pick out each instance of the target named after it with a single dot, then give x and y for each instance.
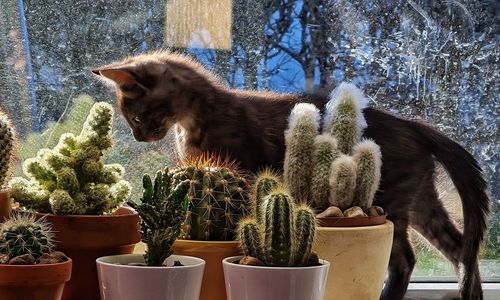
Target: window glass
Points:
(436, 60)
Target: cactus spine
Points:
(72, 178)
(7, 141)
(299, 138)
(22, 234)
(286, 235)
(218, 198)
(162, 209)
(342, 182)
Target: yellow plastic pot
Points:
(358, 256)
(212, 252)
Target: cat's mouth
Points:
(150, 136)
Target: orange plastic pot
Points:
(5, 205)
(86, 238)
(34, 282)
(212, 252)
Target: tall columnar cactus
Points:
(325, 152)
(368, 163)
(218, 198)
(286, 236)
(72, 178)
(265, 182)
(302, 129)
(162, 209)
(7, 141)
(344, 119)
(22, 234)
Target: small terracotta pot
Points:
(274, 283)
(212, 252)
(120, 281)
(34, 282)
(352, 222)
(5, 205)
(359, 257)
(86, 238)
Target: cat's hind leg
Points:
(401, 263)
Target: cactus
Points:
(7, 142)
(344, 119)
(162, 209)
(368, 161)
(334, 168)
(299, 138)
(218, 197)
(265, 182)
(325, 152)
(285, 237)
(72, 178)
(22, 234)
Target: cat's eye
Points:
(137, 120)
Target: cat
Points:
(160, 89)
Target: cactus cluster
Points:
(283, 237)
(218, 197)
(343, 169)
(22, 234)
(71, 178)
(162, 209)
(7, 142)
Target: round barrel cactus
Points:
(22, 234)
(218, 198)
(7, 139)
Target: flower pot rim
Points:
(230, 262)
(207, 242)
(37, 266)
(199, 262)
(132, 214)
(360, 221)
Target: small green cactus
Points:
(7, 142)
(162, 209)
(285, 238)
(302, 129)
(218, 198)
(22, 234)
(72, 178)
(265, 182)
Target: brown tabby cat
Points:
(158, 90)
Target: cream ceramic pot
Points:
(120, 281)
(274, 283)
(359, 257)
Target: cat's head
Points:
(155, 91)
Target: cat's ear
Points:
(123, 76)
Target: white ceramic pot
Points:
(120, 281)
(274, 283)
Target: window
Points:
(437, 60)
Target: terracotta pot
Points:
(86, 238)
(352, 222)
(119, 281)
(359, 258)
(34, 282)
(274, 283)
(5, 205)
(212, 252)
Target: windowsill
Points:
(434, 291)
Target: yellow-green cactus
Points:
(72, 178)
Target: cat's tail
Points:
(468, 180)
